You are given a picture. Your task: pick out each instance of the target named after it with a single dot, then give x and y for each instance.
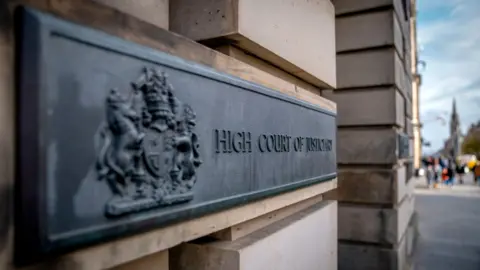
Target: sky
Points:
(449, 43)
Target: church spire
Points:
(455, 132)
(454, 120)
(454, 107)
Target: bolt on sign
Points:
(116, 139)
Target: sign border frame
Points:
(32, 241)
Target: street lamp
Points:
(425, 143)
(437, 118)
(423, 64)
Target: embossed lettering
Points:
(227, 141)
(328, 145)
(237, 144)
(221, 141)
(318, 145)
(247, 142)
(298, 144)
(262, 141)
(270, 143)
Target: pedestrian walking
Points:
(460, 171)
(437, 172)
(471, 166)
(442, 162)
(476, 172)
(449, 174)
(430, 176)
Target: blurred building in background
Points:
(416, 82)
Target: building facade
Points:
(346, 58)
(416, 82)
(375, 103)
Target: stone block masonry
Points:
(152, 11)
(373, 97)
(295, 35)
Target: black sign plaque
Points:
(403, 145)
(116, 138)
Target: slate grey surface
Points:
(66, 73)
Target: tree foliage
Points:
(471, 144)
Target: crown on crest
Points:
(156, 90)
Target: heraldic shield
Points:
(157, 158)
(148, 153)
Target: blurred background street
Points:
(448, 226)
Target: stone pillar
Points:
(374, 101)
(417, 136)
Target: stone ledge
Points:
(151, 11)
(374, 146)
(402, 77)
(301, 39)
(401, 26)
(366, 69)
(284, 245)
(304, 89)
(132, 248)
(381, 67)
(343, 7)
(346, 7)
(371, 186)
(409, 126)
(384, 226)
(400, 257)
(369, 30)
(245, 228)
(157, 261)
(252, 60)
(107, 19)
(368, 106)
(408, 108)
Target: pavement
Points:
(448, 226)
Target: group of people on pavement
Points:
(447, 171)
(476, 172)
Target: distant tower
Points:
(455, 132)
(454, 120)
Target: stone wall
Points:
(237, 236)
(296, 35)
(374, 100)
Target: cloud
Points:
(425, 5)
(449, 38)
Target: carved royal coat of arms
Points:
(149, 151)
